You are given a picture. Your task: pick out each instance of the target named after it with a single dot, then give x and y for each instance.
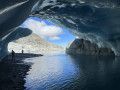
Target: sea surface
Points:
(61, 71)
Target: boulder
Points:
(81, 46)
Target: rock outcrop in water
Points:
(81, 46)
(33, 44)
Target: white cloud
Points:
(43, 30)
(54, 38)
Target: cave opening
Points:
(90, 62)
(49, 31)
(45, 30)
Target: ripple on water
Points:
(65, 72)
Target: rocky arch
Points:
(93, 20)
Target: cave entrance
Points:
(49, 31)
(45, 37)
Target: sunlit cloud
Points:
(43, 30)
(54, 38)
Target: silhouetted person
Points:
(22, 51)
(82, 44)
(13, 55)
(95, 51)
(99, 52)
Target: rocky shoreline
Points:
(12, 73)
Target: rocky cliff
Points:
(80, 46)
(33, 44)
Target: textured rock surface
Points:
(33, 44)
(80, 46)
(12, 74)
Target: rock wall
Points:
(80, 46)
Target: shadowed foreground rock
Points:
(80, 46)
(12, 73)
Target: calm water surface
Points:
(73, 72)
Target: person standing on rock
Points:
(22, 51)
(13, 55)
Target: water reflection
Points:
(74, 72)
(102, 73)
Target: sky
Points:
(49, 31)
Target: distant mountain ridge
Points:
(33, 44)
